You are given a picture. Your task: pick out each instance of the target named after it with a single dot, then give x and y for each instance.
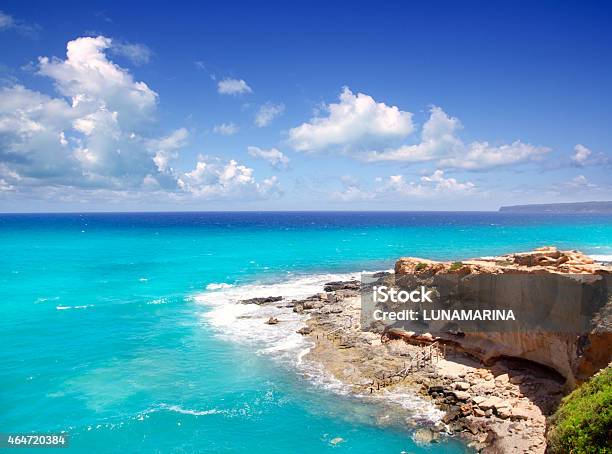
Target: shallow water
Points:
(120, 328)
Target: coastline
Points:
(317, 333)
(374, 368)
(438, 392)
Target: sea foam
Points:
(245, 324)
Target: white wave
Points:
(245, 324)
(43, 299)
(63, 308)
(419, 407)
(143, 279)
(158, 301)
(601, 257)
(184, 411)
(218, 286)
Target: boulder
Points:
(462, 385)
(262, 300)
(461, 395)
(524, 411)
(504, 412)
(492, 402)
(304, 330)
(502, 379)
(341, 285)
(425, 436)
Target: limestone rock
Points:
(461, 395)
(462, 386)
(574, 357)
(263, 300)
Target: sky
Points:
(162, 106)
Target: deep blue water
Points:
(105, 334)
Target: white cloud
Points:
(481, 155)
(434, 186)
(581, 154)
(447, 185)
(226, 129)
(354, 121)
(428, 186)
(138, 54)
(580, 182)
(267, 113)
(273, 156)
(233, 87)
(583, 157)
(89, 78)
(4, 186)
(437, 139)
(212, 179)
(352, 191)
(166, 149)
(8, 22)
(439, 142)
(364, 129)
(96, 135)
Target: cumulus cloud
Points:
(352, 191)
(267, 113)
(428, 185)
(440, 142)
(364, 129)
(166, 149)
(226, 129)
(233, 87)
(214, 179)
(581, 154)
(438, 138)
(273, 156)
(433, 186)
(96, 135)
(583, 157)
(92, 81)
(481, 155)
(138, 54)
(357, 119)
(579, 182)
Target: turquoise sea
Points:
(121, 329)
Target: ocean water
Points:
(123, 329)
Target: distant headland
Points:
(578, 207)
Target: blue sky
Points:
(244, 106)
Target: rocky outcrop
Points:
(542, 260)
(262, 300)
(572, 277)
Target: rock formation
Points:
(569, 276)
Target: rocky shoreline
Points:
(500, 408)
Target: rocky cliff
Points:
(569, 298)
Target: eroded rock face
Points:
(574, 355)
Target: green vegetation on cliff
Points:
(583, 422)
